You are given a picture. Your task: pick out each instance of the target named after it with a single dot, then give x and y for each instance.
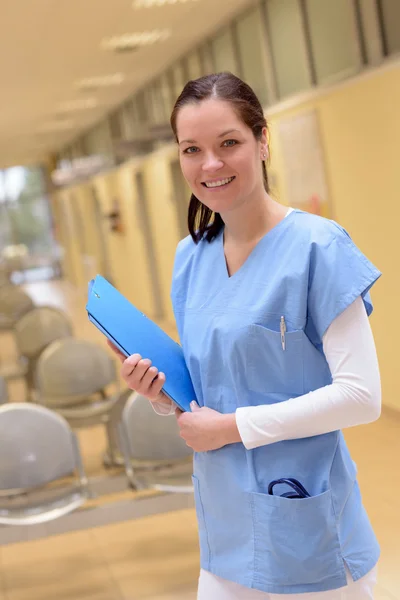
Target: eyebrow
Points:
(219, 136)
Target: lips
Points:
(217, 183)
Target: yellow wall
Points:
(360, 129)
(164, 218)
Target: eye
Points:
(230, 143)
(190, 150)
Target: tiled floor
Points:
(156, 558)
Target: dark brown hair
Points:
(202, 221)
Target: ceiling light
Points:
(56, 126)
(151, 3)
(101, 81)
(134, 40)
(80, 104)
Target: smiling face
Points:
(219, 155)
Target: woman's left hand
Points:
(206, 429)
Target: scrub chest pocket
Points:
(272, 368)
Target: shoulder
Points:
(188, 251)
(319, 231)
(186, 256)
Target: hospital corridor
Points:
(98, 500)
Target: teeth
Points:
(213, 184)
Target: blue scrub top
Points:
(308, 270)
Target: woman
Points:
(272, 310)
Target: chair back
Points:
(14, 302)
(151, 437)
(38, 328)
(73, 369)
(37, 446)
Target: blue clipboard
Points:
(134, 333)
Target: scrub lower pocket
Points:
(296, 541)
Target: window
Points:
(288, 46)
(178, 80)
(206, 57)
(142, 109)
(249, 36)
(224, 52)
(333, 37)
(390, 17)
(25, 216)
(115, 126)
(166, 93)
(158, 108)
(194, 65)
(98, 140)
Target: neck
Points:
(252, 220)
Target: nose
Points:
(212, 163)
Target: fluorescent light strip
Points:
(80, 104)
(152, 3)
(56, 126)
(144, 38)
(101, 81)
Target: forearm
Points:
(353, 398)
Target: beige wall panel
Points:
(72, 261)
(134, 277)
(164, 219)
(126, 248)
(360, 129)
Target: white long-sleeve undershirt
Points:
(353, 397)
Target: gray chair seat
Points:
(87, 413)
(40, 506)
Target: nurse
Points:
(272, 307)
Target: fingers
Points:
(141, 376)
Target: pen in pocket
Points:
(283, 332)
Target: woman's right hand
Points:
(141, 376)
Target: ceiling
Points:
(48, 45)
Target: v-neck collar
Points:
(254, 251)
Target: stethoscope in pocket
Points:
(297, 491)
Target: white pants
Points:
(212, 587)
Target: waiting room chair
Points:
(33, 332)
(155, 455)
(41, 472)
(74, 377)
(14, 303)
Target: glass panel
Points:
(178, 79)
(223, 52)
(333, 54)
(142, 108)
(166, 93)
(391, 24)
(115, 126)
(26, 217)
(206, 58)
(249, 35)
(194, 65)
(98, 140)
(288, 46)
(157, 104)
